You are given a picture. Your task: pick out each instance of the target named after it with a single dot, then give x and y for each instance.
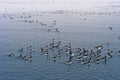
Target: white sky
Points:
(48, 5)
(59, 0)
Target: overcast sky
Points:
(49, 5)
(59, 0)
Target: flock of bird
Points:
(80, 55)
(27, 18)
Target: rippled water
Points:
(15, 34)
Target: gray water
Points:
(78, 27)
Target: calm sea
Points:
(83, 28)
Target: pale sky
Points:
(1, 1)
(42, 5)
